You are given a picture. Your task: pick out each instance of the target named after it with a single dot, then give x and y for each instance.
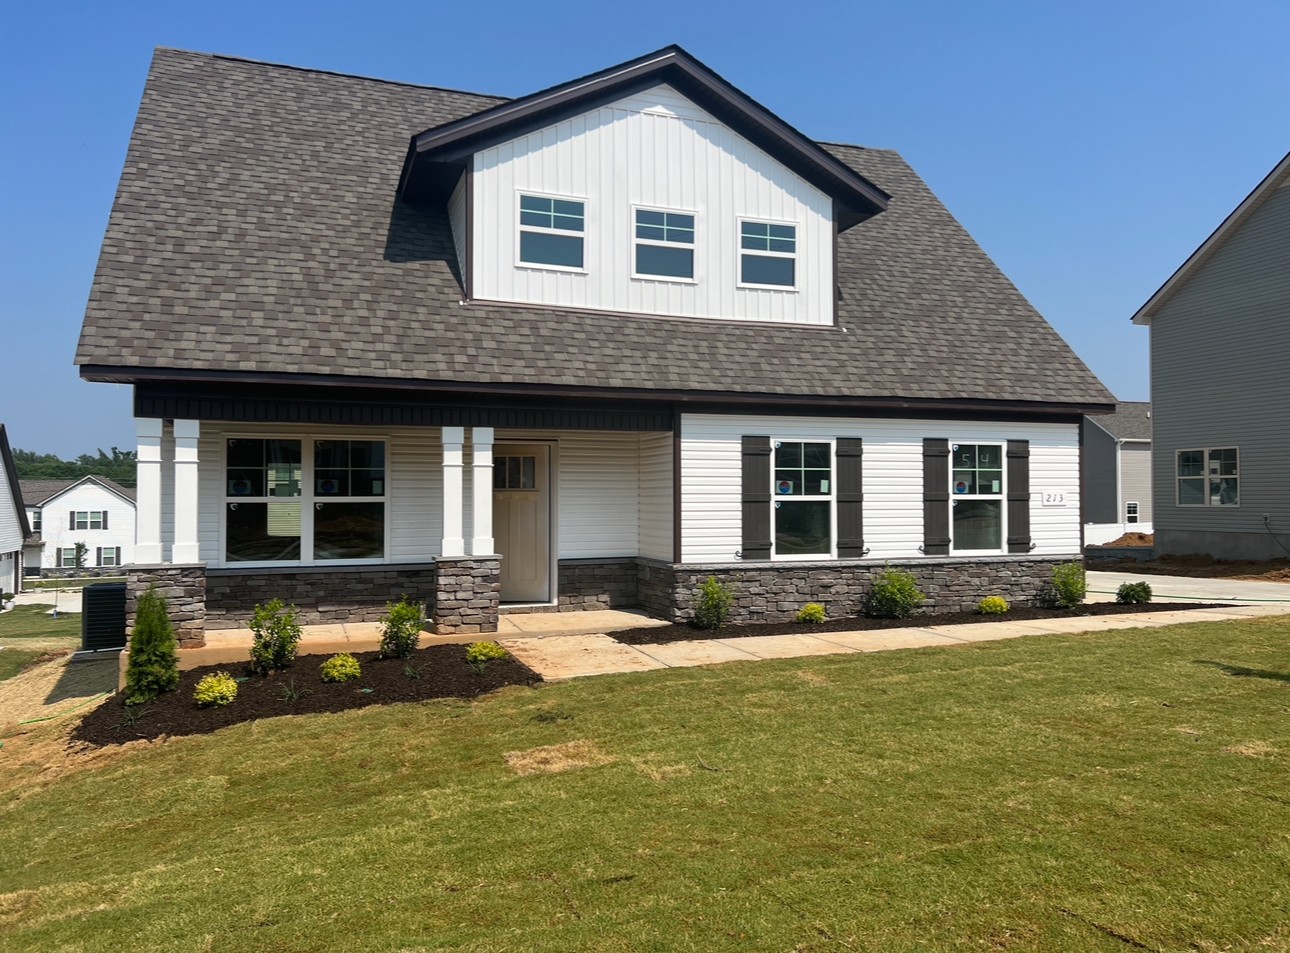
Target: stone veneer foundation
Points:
(467, 592)
(184, 587)
(775, 593)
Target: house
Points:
(92, 510)
(1116, 472)
(14, 529)
(583, 348)
(1220, 386)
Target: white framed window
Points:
(304, 500)
(66, 557)
(767, 254)
(663, 244)
(1208, 477)
(35, 521)
(551, 232)
(89, 519)
(976, 498)
(1130, 512)
(803, 518)
(109, 555)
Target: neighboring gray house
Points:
(1115, 472)
(1220, 386)
(14, 529)
(584, 348)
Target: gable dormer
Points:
(653, 188)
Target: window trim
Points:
(520, 228)
(89, 520)
(61, 561)
(116, 556)
(693, 246)
(831, 499)
(1205, 477)
(37, 519)
(1001, 497)
(1132, 516)
(307, 442)
(740, 251)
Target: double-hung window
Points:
(304, 500)
(1209, 477)
(552, 231)
(976, 497)
(802, 498)
(664, 244)
(1130, 512)
(767, 254)
(109, 555)
(89, 519)
(35, 521)
(66, 557)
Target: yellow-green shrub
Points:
(993, 605)
(812, 612)
(217, 689)
(479, 654)
(341, 668)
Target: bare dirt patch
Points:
(1130, 539)
(1204, 567)
(556, 759)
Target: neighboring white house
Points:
(14, 529)
(93, 510)
(1116, 473)
(588, 347)
(1220, 386)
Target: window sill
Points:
(784, 288)
(563, 269)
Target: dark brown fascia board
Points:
(15, 490)
(454, 141)
(692, 400)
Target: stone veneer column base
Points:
(184, 587)
(774, 592)
(467, 594)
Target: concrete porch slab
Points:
(572, 656)
(590, 622)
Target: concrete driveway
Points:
(1102, 587)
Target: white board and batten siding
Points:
(56, 531)
(711, 475)
(656, 150)
(10, 520)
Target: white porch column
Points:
(454, 546)
(184, 549)
(481, 482)
(147, 507)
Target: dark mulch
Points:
(442, 672)
(684, 632)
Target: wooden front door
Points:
(522, 520)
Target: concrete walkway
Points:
(559, 657)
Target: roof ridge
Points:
(327, 72)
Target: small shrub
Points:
(1069, 585)
(401, 628)
(275, 629)
(895, 595)
(479, 654)
(1133, 594)
(6, 597)
(713, 606)
(341, 668)
(217, 689)
(993, 605)
(152, 667)
(291, 692)
(811, 612)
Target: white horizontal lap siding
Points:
(657, 150)
(893, 478)
(656, 495)
(55, 523)
(10, 522)
(413, 509)
(1135, 479)
(596, 492)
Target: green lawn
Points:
(23, 625)
(1110, 792)
(13, 661)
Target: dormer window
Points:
(551, 231)
(664, 244)
(768, 254)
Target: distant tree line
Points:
(119, 466)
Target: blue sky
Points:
(1088, 147)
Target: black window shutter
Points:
(756, 498)
(850, 497)
(105, 512)
(98, 555)
(71, 519)
(1019, 496)
(936, 497)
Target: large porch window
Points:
(304, 500)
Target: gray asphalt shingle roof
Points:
(1131, 421)
(36, 492)
(255, 229)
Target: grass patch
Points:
(1100, 792)
(35, 622)
(13, 661)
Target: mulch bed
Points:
(442, 672)
(684, 632)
